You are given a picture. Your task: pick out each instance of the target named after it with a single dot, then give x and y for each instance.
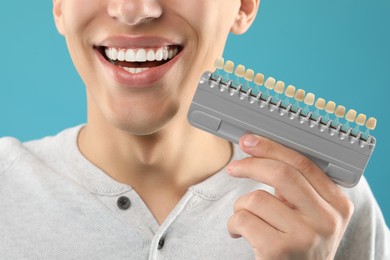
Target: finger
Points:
(267, 207)
(285, 179)
(282, 199)
(265, 148)
(256, 231)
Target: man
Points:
(137, 181)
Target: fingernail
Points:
(231, 166)
(250, 141)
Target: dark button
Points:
(123, 203)
(161, 243)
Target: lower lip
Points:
(140, 80)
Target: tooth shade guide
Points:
(309, 99)
(320, 104)
(299, 95)
(351, 115)
(259, 79)
(340, 111)
(279, 87)
(371, 123)
(290, 91)
(229, 67)
(249, 75)
(270, 83)
(219, 62)
(240, 71)
(361, 119)
(330, 107)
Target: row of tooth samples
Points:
(294, 99)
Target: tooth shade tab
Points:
(351, 115)
(361, 119)
(259, 79)
(340, 111)
(371, 123)
(330, 107)
(249, 75)
(240, 71)
(309, 99)
(219, 62)
(270, 83)
(279, 87)
(299, 95)
(320, 104)
(290, 91)
(229, 67)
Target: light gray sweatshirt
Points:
(55, 204)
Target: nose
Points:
(134, 12)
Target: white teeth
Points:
(114, 54)
(165, 53)
(140, 54)
(108, 52)
(170, 54)
(135, 70)
(151, 56)
(121, 55)
(130, 55)
(159, 55)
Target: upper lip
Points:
(128, 42)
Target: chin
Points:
(144, 125)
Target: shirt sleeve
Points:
(367, 235)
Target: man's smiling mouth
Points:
(137, 60)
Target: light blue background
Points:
(338, 49)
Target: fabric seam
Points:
(12, 163)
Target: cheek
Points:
(77, 13)
(80, 20)
(209, 23)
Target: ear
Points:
(57, 13)
(245, 17)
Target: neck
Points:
(175, 157)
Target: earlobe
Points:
(57, 14)
(245, 17)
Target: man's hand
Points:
(305, 220)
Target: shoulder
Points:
(50, 144)
(44, 150)
(11, 149)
